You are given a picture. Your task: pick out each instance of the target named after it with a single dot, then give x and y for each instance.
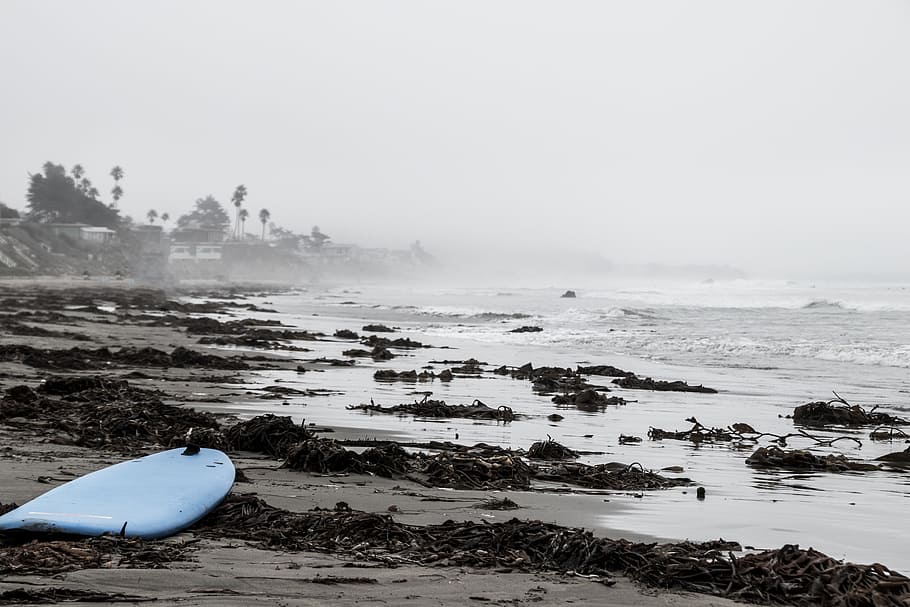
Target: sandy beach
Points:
(151, 341)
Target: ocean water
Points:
(766, 346)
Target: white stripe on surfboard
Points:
(71, 514)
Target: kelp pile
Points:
(97, 412)
(550, 450)
(838, 412)
(590, 401)
(81, 359)
(549, 380)
(702, 434)
(615, 477)
(428, 407)
(786, 576)
(795, 459)
(479, 467)
(57, 556)
(325, 456)
(389, 375)
(467, 471)
(270, 434)
(633, 382)
(374, 341)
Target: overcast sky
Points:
(774, 136)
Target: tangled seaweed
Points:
(270, 434)
(839, 412)
(795, 459)
(56, 556)
(480, 466)
(615, 477)
(550, 450)
(80, 359)
(633, 382)
(590, 401)
(410, 376)
(97, 412)
(374, 341)
(427, 407)
(786, 576)
(466, 471)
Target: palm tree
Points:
(264, 216)
(85, 185)
(152, 215)
(165, 217)
(78, 172)
(237, 199)
(243, 214)
(93, 193)
(117, 191)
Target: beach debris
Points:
(21, 555)
(785, 576)
(376, 328)
(568, 294)
(497, 504)
(527, 329)
(633, 382)
(332, 362)
(377, 353)
(614, 476)
(480, 466)
(700, 493)
(555, 417)
(625, 439)
(795, 459)
(899, 457)
(53, 595)
(589, 400)
(326, 456)
(553, 380)
(322, 456)
(80, 359)
(468, 470)
(888, 433)
(270, 434)
(701, 434)
(427, 407)
(607, 370)
(838, 411)
(740, 434)
(471, 366)
(472, 361)
(550, 450)
(98, 412)
(346, 334)
(12, 326)
(411, 376)
(374, 341)
(249, 341)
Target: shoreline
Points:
(297, 491)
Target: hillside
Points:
(31, 249)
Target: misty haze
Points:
(492, 301)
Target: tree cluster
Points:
(55, 196)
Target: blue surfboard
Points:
(149, 497)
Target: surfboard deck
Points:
(150, 497)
